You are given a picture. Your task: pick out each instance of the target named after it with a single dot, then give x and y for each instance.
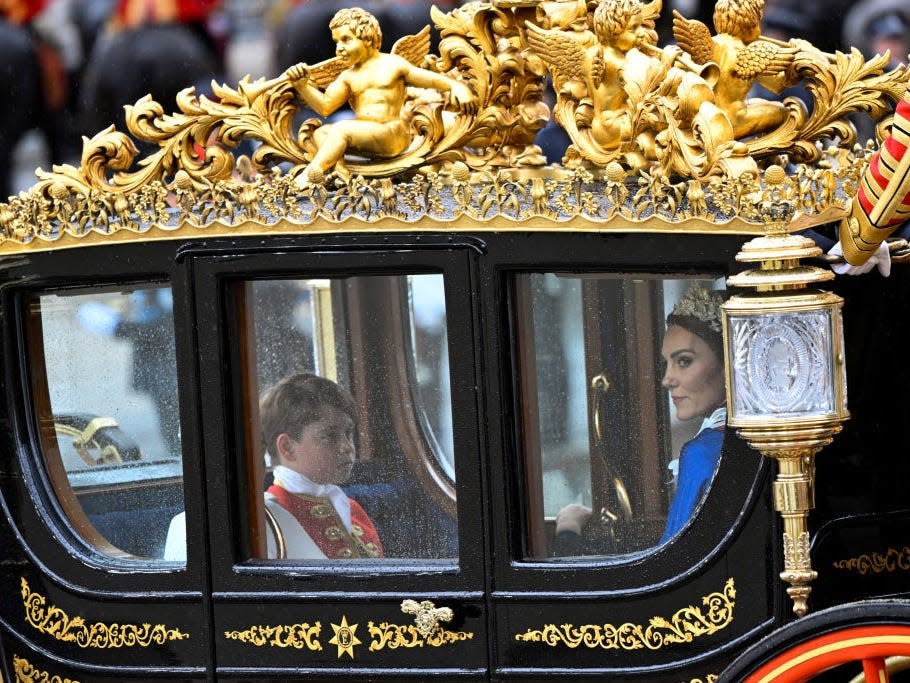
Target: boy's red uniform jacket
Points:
(319, 519)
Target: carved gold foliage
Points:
(394, 636)
(683, 627)
(26, 673)
(796, 552)
(840, 85)
(40, 220)
(893, 560)
(56, 623)
(646, 108)
(710, 678)
(298, 636)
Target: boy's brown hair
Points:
(297, 401)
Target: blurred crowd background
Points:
(67, 67)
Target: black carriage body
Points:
(678, 611)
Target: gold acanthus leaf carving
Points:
(683, 627)
(622, 100)
(26, 673)
(559, 195)
(394, 636)
(298, 636)
(56, 623)
(893, 560)
(796, 552)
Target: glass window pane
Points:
(105, 380)
(354, 424)
(430, 362)
(623, 408)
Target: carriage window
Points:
(348, 418)
(105, 385)
(622, 396)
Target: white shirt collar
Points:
(295, 482)
(716, 419)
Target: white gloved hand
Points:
(881, 258)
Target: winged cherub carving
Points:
(374, 83)
(587, 67)
(743, 57)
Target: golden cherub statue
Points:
(743, 56)
(374, 84)
(587, 65)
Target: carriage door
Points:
(590, 382)
(341, 432)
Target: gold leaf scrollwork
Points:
(26, 673)
(426, 630)
(893, 560)
(56, 623)
(298, 636)
(710, 678)
(394, 636)
(683, 627)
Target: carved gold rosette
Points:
(56, 623)
(891, 561)
(685, 625)
(26, 673)
(298, 636)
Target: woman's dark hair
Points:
(698, 312)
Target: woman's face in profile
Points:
(694, 375)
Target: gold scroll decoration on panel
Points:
(26, 673)
(298, 636)
(56, 623)
(683, 627)
(710, 678)
(891, 561)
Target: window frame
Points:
(289, 259)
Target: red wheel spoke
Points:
(875, 670)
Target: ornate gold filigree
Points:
(683, 627)
(394, 636)
(710, 678)
(499, 200)
(426, 630)
(26, 673)
(893, 560)
(56, 623)
(298, 636)
(672, 113)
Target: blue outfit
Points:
(698, 460)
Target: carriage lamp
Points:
(786, 380)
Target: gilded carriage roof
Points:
(662, 138)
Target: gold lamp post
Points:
(786, 381)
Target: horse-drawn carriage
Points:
(554, 493)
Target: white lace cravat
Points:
(294, 482)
